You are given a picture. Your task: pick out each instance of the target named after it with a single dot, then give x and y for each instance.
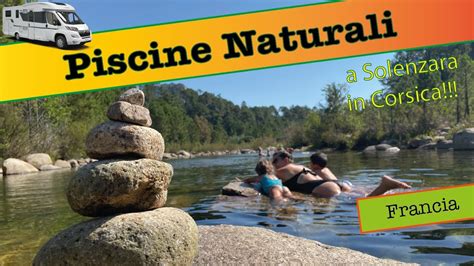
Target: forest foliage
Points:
(200, 121)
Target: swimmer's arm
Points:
(326, 174)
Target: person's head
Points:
(318, 160)
(281, 158)
(264, 167)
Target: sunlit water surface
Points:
(33, 208)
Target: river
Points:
(33, 208)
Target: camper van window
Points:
(40, 17)
(51, 18)
(30, 16)
(70, 17)
(17, 13)
(24, 16)
(8, 13)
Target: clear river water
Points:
(33, 208)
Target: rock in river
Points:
(116, 139)
(239, 245)
(38, 159)
(464, 139)
(166, 236)
(62, 164)
(238, 188)
(115, 186)
(12, 166)
(130, 113)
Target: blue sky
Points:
(283, 86)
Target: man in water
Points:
(324, 185)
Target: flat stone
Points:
(62, 164)
(49, 167)
(165, 236)
(239, 245)
(133, 96)
(129, 113)
(429, 146)
(115, 186)
(392, 150)
(38, 159)
(12, 166)
(117, 139)
(238, 188)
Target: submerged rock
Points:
(12, 166)
(112, 186)
(239, 245)
(129, 113)
(160, 237)
(116, 139)
(38, 159)
(238, 188)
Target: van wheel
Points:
(61, 42)
(17, 36)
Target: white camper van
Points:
(46, 21)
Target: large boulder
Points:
(239, 245)
(116, 139)
(383, 147)
(62, 164)
(419, 141)
(130, 113)
(38, 159)
(464, 139)
(166, 236)
(12, 166)
(113, 186)
(444, 144)
(238, 188)
(370, 150)
(133, 96)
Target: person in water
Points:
(319, 180)
(270, 185)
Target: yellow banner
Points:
(231, 43)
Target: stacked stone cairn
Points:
(125, 189)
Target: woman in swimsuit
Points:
(300, 179)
